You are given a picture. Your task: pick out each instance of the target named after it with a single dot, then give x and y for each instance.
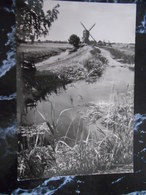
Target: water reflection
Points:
(37, 87)
(63, 95)
(50, 96)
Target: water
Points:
(75, 97)
(114, 79)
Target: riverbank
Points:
(81, 113)
(86, 63)
(54, 73)
(105, 147)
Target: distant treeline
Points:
(49, 41)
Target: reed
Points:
(106, 148)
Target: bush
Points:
(74, 40)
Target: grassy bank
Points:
(86, 63)
(36, 85)
(82, 64)
(122, 54)
(102, 141)
(106, 147)
(112, 152)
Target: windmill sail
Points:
(86, 34)
(92, 27)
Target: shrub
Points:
(74, 40)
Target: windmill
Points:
(87, 34)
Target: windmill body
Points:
(85, 36)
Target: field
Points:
(41, 51)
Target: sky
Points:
(114, 22)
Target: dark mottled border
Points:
(103, 184)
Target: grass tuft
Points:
(106, 146)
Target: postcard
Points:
(75, 88)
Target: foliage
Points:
(107, 149)
(96, 64)
(32, 163)
(74, 40)
(104, 147)
(31, 20)
(34, 153)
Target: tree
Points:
(74, 40)
(31, 21)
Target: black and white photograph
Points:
(75, 88)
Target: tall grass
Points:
(112, 152)
(95, 65)
(34, 156)
(105, 146)
(114, 149)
